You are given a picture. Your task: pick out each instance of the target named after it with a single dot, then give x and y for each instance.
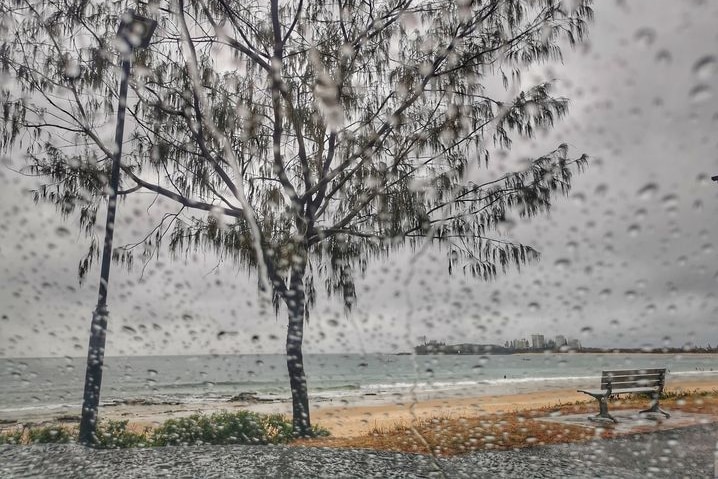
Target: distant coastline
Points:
(434, 347)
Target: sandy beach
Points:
(356, 417)
(350, 421)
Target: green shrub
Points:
(49, 434)
(114, 435)
(277, 429)
(243, 427)
(11, 437)
(318, 431)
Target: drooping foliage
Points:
(302, 138)
(356, 126)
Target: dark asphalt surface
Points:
(688, 452)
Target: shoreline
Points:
(350, 418)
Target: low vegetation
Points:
(241, 427)
(442, 435)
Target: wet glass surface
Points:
(419, 227)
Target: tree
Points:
(306, 137)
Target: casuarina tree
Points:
(301, 139)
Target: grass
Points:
(241, 427)
(449, 436)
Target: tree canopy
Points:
(307, 137)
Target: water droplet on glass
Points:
(700, 93)
(648, 191)
(705, 67)
(61, 231)
(72, 68)
(670, 202)
(562, 264)
(645, 36)
(664, 56)
(634, 230)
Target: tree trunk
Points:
(295, 361)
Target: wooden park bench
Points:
(628, 381)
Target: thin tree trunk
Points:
(295, 361)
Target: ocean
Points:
(33, 384)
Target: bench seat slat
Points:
(619, 391)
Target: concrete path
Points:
(685, 452)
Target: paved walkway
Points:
(631, 422)
(685, 452)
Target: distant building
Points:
(537, 341)
(519, 344)
(574, 344)
(561, 340)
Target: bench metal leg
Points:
(603, 410)
(655, 407)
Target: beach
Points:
(345, 418)
(354, 420)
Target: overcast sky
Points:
(628, 258)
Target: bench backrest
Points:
(634, 378)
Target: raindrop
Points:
(705, 67)
(562, 264)
(586, 330)
(634, 230)
(630, 295)
(664, 56)
(645, 36)
(700, 94)
(152, 372)
(61, 231)
(533, 307)
(72, 68)
(605, 293)
(669, 202)
(572, 246)
(129, 329)
(648, 191)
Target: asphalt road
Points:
(687, 452)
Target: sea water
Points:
(57, 383)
